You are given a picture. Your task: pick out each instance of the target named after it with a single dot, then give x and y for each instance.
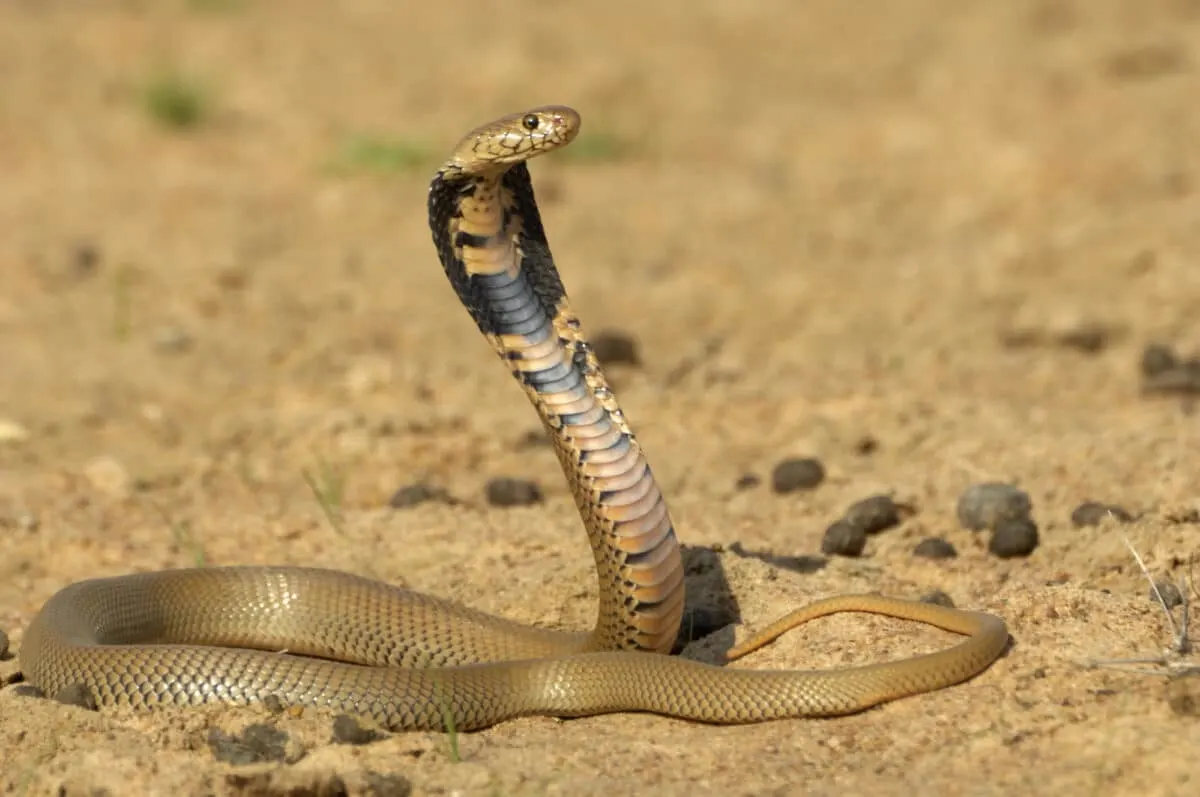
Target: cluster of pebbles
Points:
(1002, 510)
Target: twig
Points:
(1167, 663)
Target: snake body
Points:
(411, 661)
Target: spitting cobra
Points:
(315, 637)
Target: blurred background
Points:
(210, 199)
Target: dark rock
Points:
(843, 539)
(935, 548)
(506, 491)
(1014, 537)
(874, 514)
(790, 475)
(986, 505)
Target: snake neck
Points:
(490, 239)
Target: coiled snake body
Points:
(411, 661)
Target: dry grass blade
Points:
(1171, 662)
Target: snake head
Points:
(512, 139)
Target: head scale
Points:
(512, 139)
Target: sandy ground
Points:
(821, 224)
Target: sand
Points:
(925, 243)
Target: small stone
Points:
(986, 505)
(1093, 513)
(938, 598)
(1183, 379)
(85, 257)
(1183, 694)
(258, 743)
(935, 548)
(1014, 537)
(1089, 338)
(413, 494)
(747, 481)
(1158, 358)
(347, 730)
(874, 514)
(534, 438)
(506, 491)
(866, 446)
(12, 432)
(273, 704)
(76, 694)
(109, 476)
(388, 785)
(790, 475)
(843, 539)
(1170, 592)
(171, 339)
(616, 348)
(27, 521)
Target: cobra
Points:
(412, 661)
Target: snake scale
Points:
(316, 637)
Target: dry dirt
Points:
(949, 228)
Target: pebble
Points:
(843, 539)
(85, 258)
(1014, 537)
(413, 494)
(347, 730)
(534, 438)
(747, 481)
(1171, 594)
(986, 505)
(381, 785)
(507, 491)
(1158, 358)
(874, 514)
(12, 432)
(27, 521)
(938, 598)
(790, 475)
(866, 446)
(76, 694)
(256, 744)
(612, 347)
(1183, 380)
(109, 476)
(1093, 513)
(935, 548)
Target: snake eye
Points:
(530, 121)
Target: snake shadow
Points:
(711, 611)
